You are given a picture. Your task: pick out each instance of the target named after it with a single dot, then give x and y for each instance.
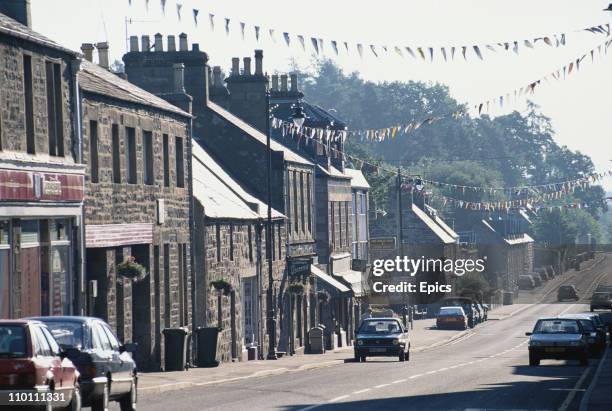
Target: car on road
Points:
(559, 339)
(595, 338)
(484, 311)
(601, 301)
(31, 359)
(107, 369)
(468, 307)
(385, 337)
(451, 317)
(526, 282)
(567, 292)
(537, 279)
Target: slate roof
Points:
(13, 28)
(256, 134)
(220, 195)
(95, 79)
(513, 240)
(434, 216)
(445, 237)
(332, 172)
(315, 115)
(358, 180)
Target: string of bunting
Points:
(423, 53)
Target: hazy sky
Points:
(579, 106)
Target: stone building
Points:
(230, 246)
(240, 149)
(41, 176)
(137, 148)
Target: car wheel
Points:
(363, 358)
(407, 356)
(75, 403)
(402, 356)
(128, 402)
(357, 357)
(592, 309)
(533, 360)
(101, 403)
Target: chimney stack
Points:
(179, 77)
(133, 43)
(17, 10)
(171, 43)
(183, 45)
(259, 62)
(274, 82)
(146, 43)
(87, 50)
(235, 66)
(103, 55)
(294, 83)
(217, 77)
(284, 83)
(247, 66)
(159, 45)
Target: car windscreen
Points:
(587, 325)
(601, 297)
(557, 327)
(450, 311)
(67, 333)
(380, 327)
(12, 341)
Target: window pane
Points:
(93, 150)
(102, 338)
(130, 140)
(111, 337)
(147, 142)
(55, 349)
(116, 154)
(180, 166)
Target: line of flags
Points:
(424, 53)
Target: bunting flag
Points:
(211, 18)
(163, 6)
(227, 26)
(287, 39)
(195, 16)
(302, 42)
(315, 44)
(147, 5)
(271, 31)
(477, 50)
(179, 7)
(242, 29)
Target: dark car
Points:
(526, 282)
(484, 311)
(601, 301)
(595, 338)
(559, 339)
(31, 359)
(451, 317)
(537, 279)
(567, 292)
(385, 337)
(468, 307)
(107, 369)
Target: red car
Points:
(32, 363)
(451, 317)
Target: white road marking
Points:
(412, 377)
(342, 397)
(382, 385)
(399, 381)
(570, 396)
(362, 391)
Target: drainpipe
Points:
(194, 299)
(258, 267)
(77, 115)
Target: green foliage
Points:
(473, 283)
(554, 228)
(131, 269)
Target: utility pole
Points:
(270, 320)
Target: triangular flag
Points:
(399, 51)
(302, 42)
(452, 53)
(315, 44)
(431, 53)
(463, 52)
(409, 50)
(179, 6)
(478, 53)
(443, 50)
(195, 16)
(271, 31)
(373, 50)
(490, 47)
(346, 46)
(242, 29)
(516, 47)
(335, 46)
(528, 44)
(360, 49)
(227, 26)
(421, 53)
(287, 39)
(548, 41)
(257, 28)
(321, 45)
(163, 6)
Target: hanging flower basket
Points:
(222, 286)
(323, 296)
(296, 288)
(131, 269)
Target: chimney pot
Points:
(284, 82)
(235, 66)
(195, 47)
(87, 49)
(183, 45)
(179, 77)
(146, 43)
(133, 43)
(103, 54)
(171, 43)
(294, 82)
(259, 62)
(217, 77)
(274, 82)
(247, 66)
(159, 45)
(18, 10)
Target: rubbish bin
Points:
(176, 341)
(316, 340)
(508, 298)
(206, 340)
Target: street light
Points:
(298, 115)
(270, 312)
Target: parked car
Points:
(595, 338)
(526, 282)
(107, 369)
(385, 337)
(544, 274)
(466, 303)
(31, 359)
(451, 317)
(557, 338)
(478, 315)
(537, 279)
(484, 311)
(567, 292)
(551, 271)
(601, 301)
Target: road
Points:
(486, 369)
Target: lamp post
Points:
(270, 312)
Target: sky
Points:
(579, 106)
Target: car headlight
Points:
(395, 341)
(535, 343)
(593, 334)
(359, 342)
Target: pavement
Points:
(482, 368)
